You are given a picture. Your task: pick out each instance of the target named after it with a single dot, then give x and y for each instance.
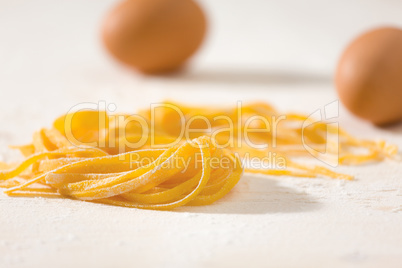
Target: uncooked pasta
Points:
(176, 155)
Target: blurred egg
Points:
(369, 76)
(154, 36)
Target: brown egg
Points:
(154, 36)
(369, 76)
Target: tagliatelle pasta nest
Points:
(169, 178)
(175, 155)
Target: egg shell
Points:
(369, 76)
(154, 36)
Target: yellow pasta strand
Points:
(88, 156)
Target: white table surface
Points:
(51, 60)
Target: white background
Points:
(282, 52)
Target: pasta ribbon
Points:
(176, 155)
(169, 178)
